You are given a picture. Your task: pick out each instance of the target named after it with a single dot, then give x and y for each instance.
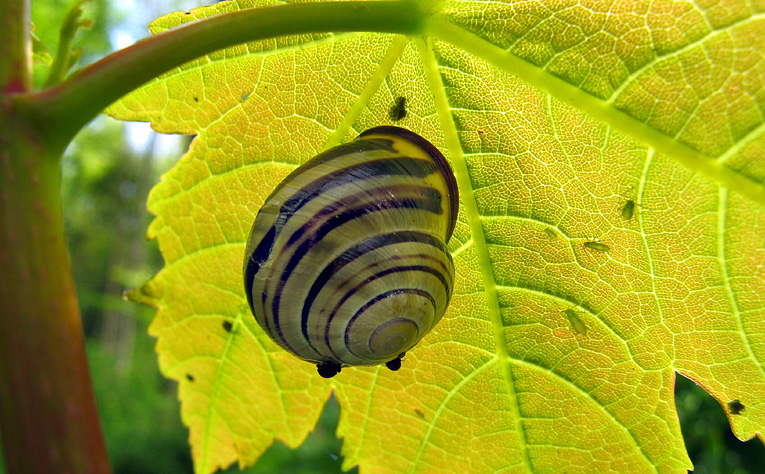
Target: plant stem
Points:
(15, 46)
(65, 57)
(59, 112)
(48, 415)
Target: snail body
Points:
(346, 263)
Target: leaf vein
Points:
(723, 261)
(470, 203)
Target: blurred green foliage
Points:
(47, 17)
(139, 413)
(106, 182)
(711, 444)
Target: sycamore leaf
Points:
(611, 233)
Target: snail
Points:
(346, 263)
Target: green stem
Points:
(15, 46)
(59, 112)
(65, 57)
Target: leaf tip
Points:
(144, 295)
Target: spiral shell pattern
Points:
(346, 263)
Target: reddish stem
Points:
(48, 416)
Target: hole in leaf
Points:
(711, 444)
(319, 454)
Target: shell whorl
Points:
(346, 263)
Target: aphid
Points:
(576, 322)
(628, 210)
(346, 263)
(397, 111)
(550, 233)
(599, 246)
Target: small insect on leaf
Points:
(189, 377)
(599, 246)
(550, 233)
(398, 110)
(735, 407)
(227, 326)
(628, 210)
(419, 413)
(576, 322)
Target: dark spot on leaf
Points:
(196, 100)
(398, 110)
(189, 377)
(599, 246)
(735, 407)
(227, 326)
(187, 13)
(419, 413)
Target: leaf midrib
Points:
(467, 198)
(442, 29)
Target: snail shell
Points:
(346, 263)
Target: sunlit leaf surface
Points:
(571, 313)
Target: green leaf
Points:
(569, 320)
